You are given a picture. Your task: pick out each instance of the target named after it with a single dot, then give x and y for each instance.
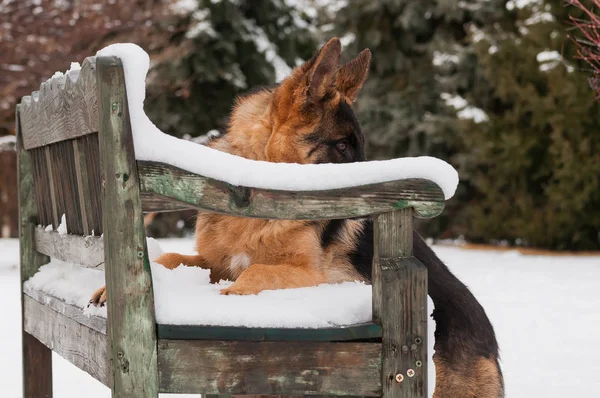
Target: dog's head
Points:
(311, 114)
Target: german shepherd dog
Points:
(308, 118)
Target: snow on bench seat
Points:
(184, 296)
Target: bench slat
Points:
(87, 251)
(82, 346)
(269, 368)
(227, 333)
(61, 109)
(158, 180)
(71, 311)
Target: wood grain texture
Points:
(82, 346)
(83, 189)
(87, 251)
(52, 185)
(65, 185)
(73, 312)
(63, 108)
(400, 306)
(225, 333)
(270, 368)
(211, 195)
(41, 185)
(37, 359)
(89, 149)
(38, 372)
(131, 324)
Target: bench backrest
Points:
(59, 129)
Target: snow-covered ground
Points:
(544, 309)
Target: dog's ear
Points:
(321, 74)
(353, 74)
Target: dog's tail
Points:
(466, 350)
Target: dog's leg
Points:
(174, 260)
(259, 277)
(170, 261)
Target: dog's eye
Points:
(342, 146)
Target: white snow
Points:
(201, 24)
(464, 110)
(152, 144)
(327, 305)
(551, 59)
(440, 58)
(8, 139)
(546, 56)
(183, 6)
(265, 46)
(512, 4)
(14, 67)
(544, 310)
(62, 227)
(473, 113)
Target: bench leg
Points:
(37, 368)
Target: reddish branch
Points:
(588, 46)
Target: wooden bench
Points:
(76, 157)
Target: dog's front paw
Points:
(240, 289)
(98, 298)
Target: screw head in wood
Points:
(413, 347)
(418, 340)
(419, 364)
(410, 372)
(399, 378)
(404, 348)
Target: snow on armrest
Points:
(153, 145)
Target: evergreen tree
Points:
(421, 60)
(534, 165)
(418, 47)
(225, 48)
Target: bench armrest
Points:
(167, 188)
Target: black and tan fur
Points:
(308, 118)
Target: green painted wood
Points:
(173, 184)
(269, 367)
(131, 324)
(224, 333)
(400, 306)
(37, 358)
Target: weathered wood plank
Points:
(37, 359)
(37, 369)
(212, 195)
(82, 346)
(65, 185)
(90, 150)
(225, 333)
(400, 306)
(87, 251)
(131, 324)
(70, 311)
(270, 368)
(41, 185)
(63, 108)
(53, 202)
(83, 189)
(153, 203)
